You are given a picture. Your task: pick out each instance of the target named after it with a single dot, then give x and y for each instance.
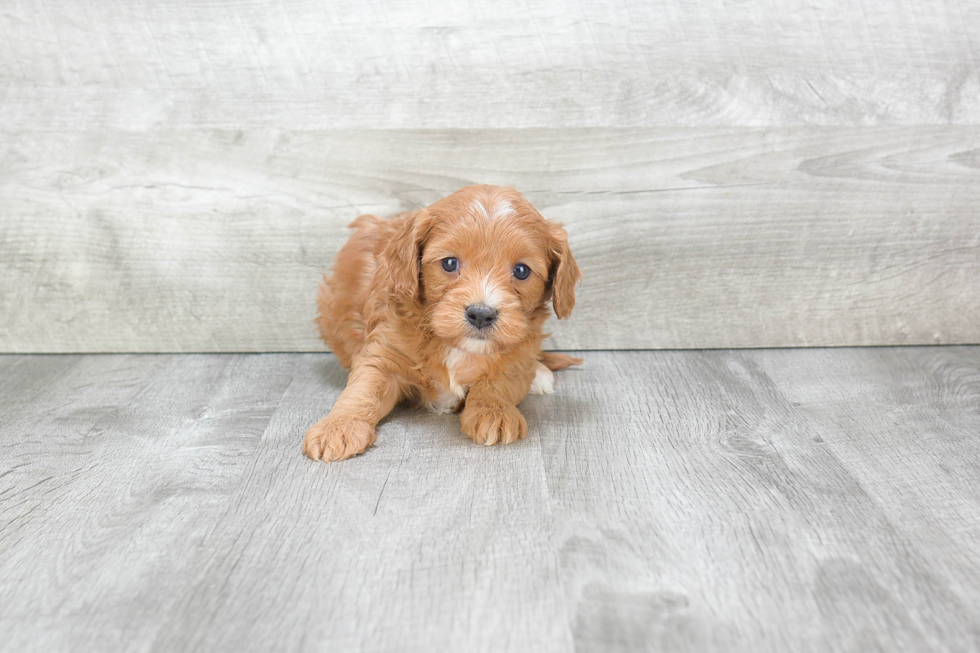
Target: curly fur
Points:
(396, 318)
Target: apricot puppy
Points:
(444, 306)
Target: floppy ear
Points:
(400, 260)
(564, 273)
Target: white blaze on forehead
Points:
(497, 209)
(491, 293)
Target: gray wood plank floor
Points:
(766, 500)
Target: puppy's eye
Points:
(521, 271)
(450, 264)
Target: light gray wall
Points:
(175, 176)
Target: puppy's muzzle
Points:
(480, 315)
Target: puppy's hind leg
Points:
(349, 429)
(544, 380)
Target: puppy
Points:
(444, 307)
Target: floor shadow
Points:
(332, 373)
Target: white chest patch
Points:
(446, 403)
(456, 392)
(544, 380)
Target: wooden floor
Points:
(765, 500)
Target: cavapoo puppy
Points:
(444, 306)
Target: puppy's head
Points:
(481, 263)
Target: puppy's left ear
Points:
(400, 259)
(564, 273)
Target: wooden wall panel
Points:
(174, 176)
(304, 64)
(714, 237)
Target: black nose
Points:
(480, 315)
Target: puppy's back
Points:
(342, 296)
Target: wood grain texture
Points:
(684, 501)
(122, 65)
(113, 475)
(174, 178)
(688, 238)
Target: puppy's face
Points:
(487, 262)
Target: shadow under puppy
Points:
(444, 306)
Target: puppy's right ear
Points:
(564, 273)
(400, 263)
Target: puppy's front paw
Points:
(338, 437)
(500, 424)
